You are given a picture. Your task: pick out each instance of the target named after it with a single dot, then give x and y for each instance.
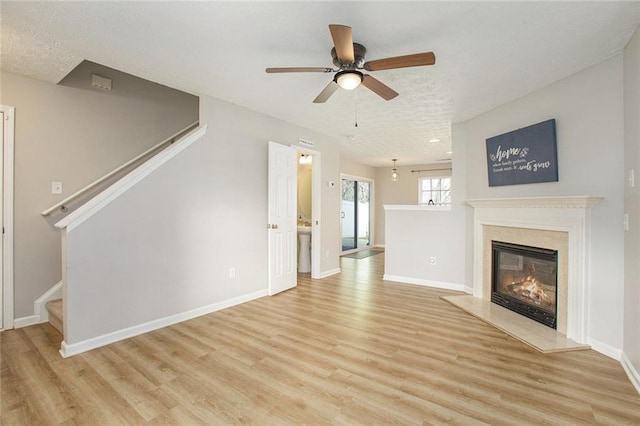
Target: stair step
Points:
(55, 313)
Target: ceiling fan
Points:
(349, 58)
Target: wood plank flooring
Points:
(349, 349)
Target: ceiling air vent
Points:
(100, 82)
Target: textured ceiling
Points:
(487, 53)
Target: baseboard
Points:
(632, 373)
(379, 245)
(326, 274)
(68, 350)
(605, 349)
(53, 293)
(468, 290)
(26, 321)
(426, 283)
(40, 313)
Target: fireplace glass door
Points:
(524, 279)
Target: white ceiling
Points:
(487, 53)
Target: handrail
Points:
(97, 203)
(170, 139)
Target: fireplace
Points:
(524, 280)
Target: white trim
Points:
(329, 273)
(40, 314)
(426, 283)
(420, 207)
(67, 350)
(53, 293)
(94, 205)
(26, 321)
(7, 214)
(632, 373)
(605, 349)
(580, 201)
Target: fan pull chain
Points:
(356, 107)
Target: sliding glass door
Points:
(355, 214)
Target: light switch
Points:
(56, 187)
(632, 179)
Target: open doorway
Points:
(309, 213)
(356, 208)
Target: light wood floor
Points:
(350, 349)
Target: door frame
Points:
(316, 206)
(371, 211)
(8, 113)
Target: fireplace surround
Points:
(557, 223)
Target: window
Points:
(434, 191)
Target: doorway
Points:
(355, 213)
(7, 129)
(308, 201)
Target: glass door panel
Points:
(348, 215)
(364, 238)
(355, 214)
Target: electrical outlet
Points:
(432, 260)
(232, 273)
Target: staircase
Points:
(55, 313)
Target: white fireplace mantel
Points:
(569, 214)
(583, 202)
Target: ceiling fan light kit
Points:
(349, 80)
(349, 57)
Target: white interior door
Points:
(7, 133)
(2, 220)
(283, 244)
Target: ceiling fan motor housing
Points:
(359, 52)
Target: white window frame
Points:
(431, 178)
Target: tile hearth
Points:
(538, 336)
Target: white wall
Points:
(75, 134)
(632, 201)
(353, 168)
(403, 191)
(166, 246)
(415, 236)
(588, 110)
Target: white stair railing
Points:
(171, 139)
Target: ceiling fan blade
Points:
(343, 41)
(415, 60)
(298, 69)
(326, 92)
(379, 88)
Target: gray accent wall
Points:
(75, 134)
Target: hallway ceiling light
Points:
(394, 171)
(305, 159)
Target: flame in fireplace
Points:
(529, 288)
